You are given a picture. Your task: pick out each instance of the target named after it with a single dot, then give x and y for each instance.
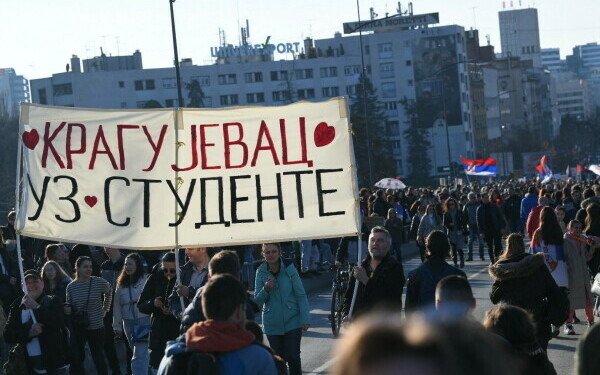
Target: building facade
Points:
(520, 35)
(14, 90)
(575, 98)
(426, 65)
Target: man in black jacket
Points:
(154, 301)
(46, 338)
(380, 277)
(490, 222)
(422, 281)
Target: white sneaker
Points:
(569, 329)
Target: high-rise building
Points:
(551, 60)
(425, 65)
(14, 90)
(576, 98)
(520, 35)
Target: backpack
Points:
(429, 283)
(192, 362)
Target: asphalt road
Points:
(318, 343)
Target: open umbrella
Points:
(390, 183)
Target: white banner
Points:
(244, 175)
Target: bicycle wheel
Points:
(336, 310)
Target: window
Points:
(150, 84)
(144, 84)
(229, 99)
(350, 70)
(169, 83)
(330, 92)
(279, 96)
(257, 97)
(351, 90)
(367, 49)
(306, 94)
(123, 104)
(390, 105)
(330, 71)
(227, 79)
(62, 89)
(281, 75)
(386, 70)
(253, 77)
(303, 73)
(385, 51)
(121, 84)
(203, 80)
(408, 62)
(409, 82)
(388, 90)
(42, 96)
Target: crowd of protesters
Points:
(103, 297)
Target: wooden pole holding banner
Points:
(359, 260)
(18, 208)
(177, 145)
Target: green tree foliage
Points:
(9, 128)
(418, 146)
(195, 94)
(382, 163)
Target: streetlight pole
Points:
(177, 72)
(364, 92)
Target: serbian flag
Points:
(482, 167)
(544, 169)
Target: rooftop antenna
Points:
(487, 36)
(474, 17)
(245, 34)
(118, 49)
(373, 14)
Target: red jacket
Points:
(533, 220)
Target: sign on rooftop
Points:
(244, 175)
(391, 22)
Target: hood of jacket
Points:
(516, 267)
(214, 336)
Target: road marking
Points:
(319, 370)
(323, 367)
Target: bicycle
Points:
(338, 290)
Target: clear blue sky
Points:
(38, 37)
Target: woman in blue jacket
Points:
(286, 314)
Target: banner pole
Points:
(177, 185)
(24, 113)
(359, 261)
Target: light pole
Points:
(364, 92)
(177, 73)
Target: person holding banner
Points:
(38, 322)
(90, 299)
(194, 274)
(285, 306)
(380, 277)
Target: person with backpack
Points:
(224, 262)
(221, 344)
(422, 281)
(286, 314)
(37, 321)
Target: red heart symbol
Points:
(324, 134)
(30, 139)
(90, 200)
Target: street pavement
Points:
(318, 343)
